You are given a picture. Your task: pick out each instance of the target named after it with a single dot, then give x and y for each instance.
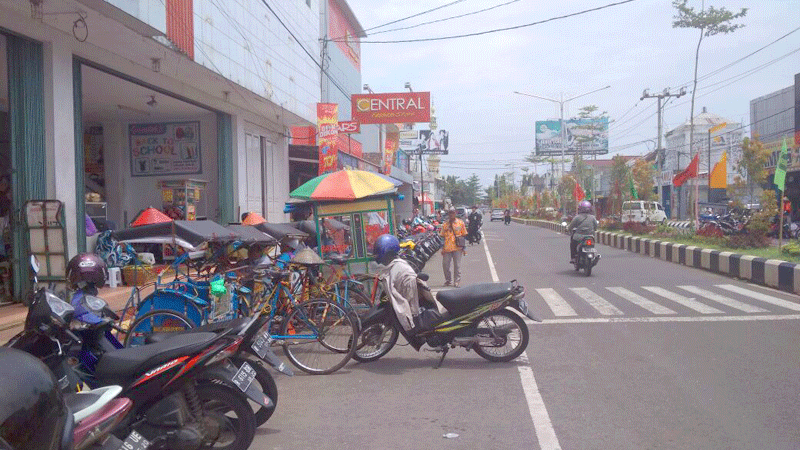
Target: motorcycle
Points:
(96, 414)
(479, 317)
(474, 233)
(183, 389)
(586, 257)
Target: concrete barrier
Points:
(774, 273)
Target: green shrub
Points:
(637, 228)
(791, 249)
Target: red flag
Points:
(578, 193)
(689, 172)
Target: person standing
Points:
(454, 233)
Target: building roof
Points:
(703, 120)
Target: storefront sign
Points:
(327, 136)
(391, 108)
(349, 127)
(389, 149)
(159, 149)
(304, 136)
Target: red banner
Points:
(349, 127)
(327, 136)
(689, 172)
(390, 147)
(403, 107)
(578, 193)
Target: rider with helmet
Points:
(86, 271)
(584, 224)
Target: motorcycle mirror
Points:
(35, 264)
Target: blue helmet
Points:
(386, 245)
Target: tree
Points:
(750, 168)
(710, 22)
(643, 173)
(472, 188)
(619, 181)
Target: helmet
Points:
(585, 207)
(86, 269)
(33, 414)
(386, 246)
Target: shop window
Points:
(376, 224)
(337, 237)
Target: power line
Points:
(497, 30)
(415, 15)
(446, 18)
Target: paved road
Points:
(643, 354)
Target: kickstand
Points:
(445, 349)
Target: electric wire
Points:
(446, 18)
(414, 15)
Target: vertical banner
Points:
(390, 147)
(328, 134)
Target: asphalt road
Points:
(635, 356)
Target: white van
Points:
(643, 211)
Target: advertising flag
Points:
(389, 149)
(780, 168)
(634, 194)
(689, 172)
(578, 193)
(719, 176)
(327, 136)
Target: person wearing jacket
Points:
(454, 248)
(584, 224)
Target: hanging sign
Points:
(406, 107)
(328, 135)
(159, 149)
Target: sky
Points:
(630, 47)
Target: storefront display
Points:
(184, 199)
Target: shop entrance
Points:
(143, 147)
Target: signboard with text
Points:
(584, 136)
(159, 149)
(406, 107)
(327, 136)
(349, 127)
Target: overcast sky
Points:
(630, 47)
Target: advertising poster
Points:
(328, 135)
(404, 107)
(392, 142)
(583, 136)
(165, 149)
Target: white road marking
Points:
(759, 296)
(557, 304)
(685, 301)
(599, 303)
(727, 301)
(541, 419)
(672, 319)
(638, 300)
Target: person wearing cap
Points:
(453, 231)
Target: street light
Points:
(561, 118)
(408, 86)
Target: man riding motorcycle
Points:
(474, 226)
(584, 224)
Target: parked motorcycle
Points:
(480, 317)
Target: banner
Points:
(689, 172)
(585, 136)
(389, 149)
(327, 136)
(780, 168)
(349, 127)
(578, 193)
(159, 149)
(406, 107)
(719, 176)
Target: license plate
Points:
(244, 377)
(261, 344)
(135, 441)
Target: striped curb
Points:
(774, 273)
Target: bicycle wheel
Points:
(156, 321)
(319, 329)
(356, 299)
(507, 332)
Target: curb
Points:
(775, 273)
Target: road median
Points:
(773, 273)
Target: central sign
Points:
(405, 107)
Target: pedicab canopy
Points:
(186, 233)
(251, 235)
(281, 230)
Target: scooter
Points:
(482, 317)
(586, 257)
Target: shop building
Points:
(101, 101)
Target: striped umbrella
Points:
(344, 184)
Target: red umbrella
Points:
(150, 216)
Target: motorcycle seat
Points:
(234, 326)
(462, 300)
(128, 363)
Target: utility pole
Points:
(659, 150)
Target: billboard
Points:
(405, 107)
(584, 136)
(427, 142)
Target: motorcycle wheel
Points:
(268, 387)
(507, 323)
(232, 413)
(588, 269)
(375, 341)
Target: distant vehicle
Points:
(461, 212)
(643, 212)
(497, 214)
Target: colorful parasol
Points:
(344, 185)
(150, 216)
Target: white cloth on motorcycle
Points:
(127, 363)
(461, 301)
(405, 290)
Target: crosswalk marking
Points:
(685, 301)
(759, 296)
(557, 304)
(637, 299)
(599, 303)
(727, 301)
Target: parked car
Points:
(643, 211)
(497, 214)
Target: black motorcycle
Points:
(586, 257)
